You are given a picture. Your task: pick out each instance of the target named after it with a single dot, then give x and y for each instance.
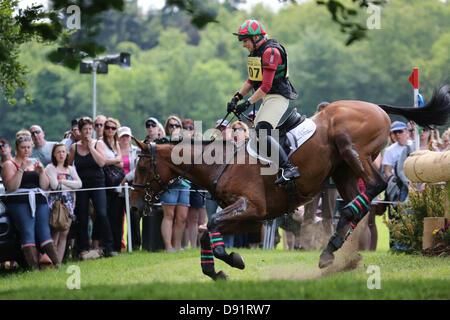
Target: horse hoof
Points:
(221, 276)
(326, 258)
(238, 261)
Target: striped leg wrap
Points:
(360, 203)
(216, 239)
(206, 256)
(351, 214)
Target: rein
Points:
(151, 195)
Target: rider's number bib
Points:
(254, 69)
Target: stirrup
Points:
(283, 179)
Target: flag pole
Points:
(414, 79)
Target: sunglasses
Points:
(188, 128)
(151, 124)
(174, 125)
(4, 145)
(98, 125)
(35, 132)
(24, 138)
(110, 128)
(238, 129)
(398, 131)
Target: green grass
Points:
(268, 275)
(275, 274)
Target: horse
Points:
(349, 135)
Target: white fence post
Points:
(127, 207)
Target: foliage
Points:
(177, 68)
(14, 31)
(442, 234)
(30, 24)
(406, 226)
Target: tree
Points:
(28, 26)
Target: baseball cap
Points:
(398, 125)
(152, 119)
(123, 131)
(225, 122)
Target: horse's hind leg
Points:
(361, 165)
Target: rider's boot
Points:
(288, 170)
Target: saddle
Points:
(293, 132)
(292, 121)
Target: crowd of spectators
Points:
(79, 159)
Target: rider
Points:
(268, 77)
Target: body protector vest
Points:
(281, 84)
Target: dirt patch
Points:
(347, 257)
(438, 251)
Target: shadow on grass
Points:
(323, 289)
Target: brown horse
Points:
(349, 136)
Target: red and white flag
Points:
(414, 78)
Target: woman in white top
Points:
(62, 177)
(130, 158)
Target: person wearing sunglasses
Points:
(196, 215)
(42, 149)
(173, 127)
(175, 203)
(25, 180)
(240, 132)
(5, 152)
(393, 152)
(99, 124)
(115, 204)
(89, 159)
(152, 128)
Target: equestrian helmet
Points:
(250, 27)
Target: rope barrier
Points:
(68, 190)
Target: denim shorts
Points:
(178, 195)
(197, 200)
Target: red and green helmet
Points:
(250, 27)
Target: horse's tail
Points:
(435, 112)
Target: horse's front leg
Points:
(215, 236)
(207, 259)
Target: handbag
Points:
(113, 175)
(60, 216)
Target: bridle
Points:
(151, 195)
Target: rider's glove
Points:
(241, 107)
(231, 106)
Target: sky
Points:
(157, 4)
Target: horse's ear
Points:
(140, 144)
